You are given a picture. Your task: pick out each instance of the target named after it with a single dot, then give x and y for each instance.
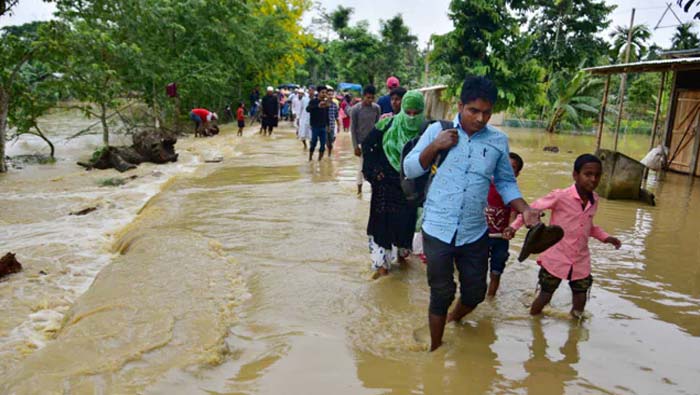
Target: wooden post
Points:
(655, 124)
(601, 116)
(621, 97)
(696, 148)
(671, 114)
(659, 98)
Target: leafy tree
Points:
(17, 47)
(358, 54)
(569, 98)
(638, 47)
(339, 19)
(6, 6)
(684, 38)
(566, 32)
(487, 41)
(400, 55)
(39, 92)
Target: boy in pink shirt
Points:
(573, 209)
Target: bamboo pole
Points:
(601, 116)
(623, 82)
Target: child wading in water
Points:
(498, 216)
(573, 209)
(240, 117)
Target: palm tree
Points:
(684, 38)
(640, 35)
(569, 98)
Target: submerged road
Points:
(251, 276)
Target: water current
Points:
(251, 276)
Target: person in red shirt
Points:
(498, 216)
(573, 209)
(240, 117)
(202, 117)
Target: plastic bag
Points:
(656, 158)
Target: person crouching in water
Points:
(240, 117)
(392, 219)
(573, 209)
(498, 216)
(202, 118)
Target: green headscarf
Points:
(403, 127)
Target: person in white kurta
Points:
(296, 105)
(304, 131)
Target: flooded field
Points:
(251, 276)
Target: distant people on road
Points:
(333, 122)
(254, 101)
(395, 95)
(270, 111)
(318, 118)
(345, 112)
(240, 117)
(363, 117)
(304, 131)
(384, 102)
(296, 105)
(202, 119)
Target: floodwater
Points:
(251, 276)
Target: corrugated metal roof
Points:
(648, 66)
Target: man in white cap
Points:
(296, 105)
(304, 131)
(270, 111)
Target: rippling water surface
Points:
(252, 276)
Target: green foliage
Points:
(339, 19)
(358, 55)
(487, 41)
(684, 38)
(568, 95)
(566, 32)
(638, 45)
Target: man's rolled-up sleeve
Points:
(411, 164)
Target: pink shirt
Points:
(571, 254)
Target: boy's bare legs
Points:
(437, 329)
(459, 311)
(494, 282)
(541, 300)
(579, 303)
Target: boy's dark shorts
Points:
(241, 124)
(549, 283)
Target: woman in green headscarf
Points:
(392, 219)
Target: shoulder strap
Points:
(388, 125)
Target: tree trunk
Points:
(554, 122)
(43, 137)
(4, 107)
(105, 128)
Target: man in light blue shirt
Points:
(454, 224)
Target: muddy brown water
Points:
(251, 276)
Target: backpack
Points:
(416, 189)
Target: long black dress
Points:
(392, 220)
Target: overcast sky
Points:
(426, 17)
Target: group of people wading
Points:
(472, 204)
(465, 220)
